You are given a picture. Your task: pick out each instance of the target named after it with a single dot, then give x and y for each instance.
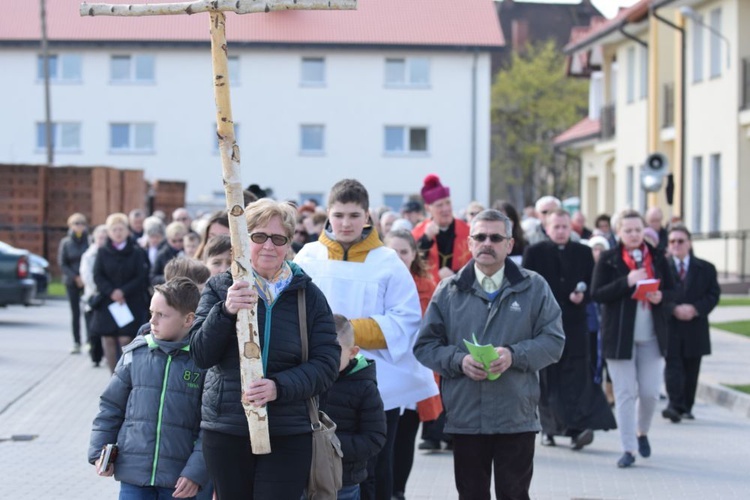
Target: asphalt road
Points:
(50, 396)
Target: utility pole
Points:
(45, 69)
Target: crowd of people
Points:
(395, 306)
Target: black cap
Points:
(411, 206)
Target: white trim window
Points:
(714, 43)
(312, 139)
(630, 75)
(697, 196)
(400, 140)
(215, 138)
(63, 68)
(394, 201)
(66, 137)
(698, 50)
(644, 73)
(630, 186)
(131, 138)
(407, 72)
(313, 72)
(126, 68)
(714, 189)
(304, 196)
(233, 63)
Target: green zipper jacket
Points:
(152, 410)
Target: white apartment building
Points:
(386, 94)
(709, 156)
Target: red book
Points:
(645, 286)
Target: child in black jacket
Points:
(354, 403)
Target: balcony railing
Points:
(668, 110)
(607, 121)
(746, 83)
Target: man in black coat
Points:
(571, 403)
(697, 294)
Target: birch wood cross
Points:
(251, 366)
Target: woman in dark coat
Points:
(69, 255)
(288, 382)
(121, 275)
(634, 332)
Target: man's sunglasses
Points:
(494, 238)
(277, 239)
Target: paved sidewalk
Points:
(49, 393)
(729, 363)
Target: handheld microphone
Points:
(637, 257)
(581, 287)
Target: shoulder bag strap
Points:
(302, 309)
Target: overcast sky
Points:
(607, 7)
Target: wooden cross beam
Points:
(251, 366)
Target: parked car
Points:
(17, 286)
(39, 269)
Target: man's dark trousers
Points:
(511, 456)
(681, 379)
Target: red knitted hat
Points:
(433, 190)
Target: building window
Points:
(131, 137)
(312, 139)
(714, 215)
(394, 201)
(698, 51)
(630, 74)
(215, 138)
(62, 68)
(697, 194)
(313, 72)
(630, 186)
(407, 72)
(138, 68)
(233, 63)
(715, 43)
(66, 137)
(405, 140)
(318, 197)
(644, 73)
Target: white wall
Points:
(712, 120)
(269, 104)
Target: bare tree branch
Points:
(236, 6)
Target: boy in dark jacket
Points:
(152, 406)
(354, 403)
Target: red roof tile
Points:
(585, 129)
(473, 23)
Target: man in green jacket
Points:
(514, 310)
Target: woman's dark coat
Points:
(126, 269)
(610, 289)
(213, 344)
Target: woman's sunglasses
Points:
(277, 239)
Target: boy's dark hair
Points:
(180, 293)
(344, 330)
(602, 218)
(188, 268)
(193, 237)
(681, 228)
(349, 191)
(319, 218)
(218, 245)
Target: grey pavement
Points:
(53, 395)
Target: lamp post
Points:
(696, 18)
(48, 136)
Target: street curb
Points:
(735, 401)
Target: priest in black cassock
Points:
(571, 404)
